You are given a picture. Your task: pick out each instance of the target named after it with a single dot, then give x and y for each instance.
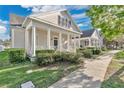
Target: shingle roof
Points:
(87, 33)
(16, 20)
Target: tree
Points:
(109, 18)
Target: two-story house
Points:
(48, 30)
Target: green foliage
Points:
(70, 57)
(96, 51)
(57, 56)
(50, 58)
(45, 59)
(88, 53)
(119, 55)
(40, 52)
(109, 18)
(104, 49)
(4, 59)
(16, 55)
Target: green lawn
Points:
(13, 75)
(115, 74)
(41, 77)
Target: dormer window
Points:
(64, 22)
(69, 23)
(59, 20)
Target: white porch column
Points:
(48, 39)
(68, 44)
(89, 42)
(60, 41)
(74, 43)
(26, 40)
(33, 41)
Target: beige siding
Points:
(41, 38)
(50, 18)
(53, 18)
(18, 38)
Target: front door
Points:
(55, 42)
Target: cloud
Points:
(77, 7)
(3, 29)
(80, 25)
(79, 16)
(43, 8)
(3, 22)
(83, 24)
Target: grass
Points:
(120, 55)
(114, 77)
(14, 76)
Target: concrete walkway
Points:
(90, 76)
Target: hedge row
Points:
(51, 58)
(16, 55)
(89, 52)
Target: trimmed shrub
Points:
(57, 57)
(104, 49)
(96, 51)
(16, 55)
(40, 52)
(70, 57)
(50, 58)
(87, 53)
(45, 59)
(74, 58)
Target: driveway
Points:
(90, 76)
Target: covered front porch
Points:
(40, 36)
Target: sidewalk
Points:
(90, 76)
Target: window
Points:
(86, 42)
(69, 24)
(59, 20)
(64, 22)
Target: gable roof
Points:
(50, 12)
(16, 20)
(87, 33)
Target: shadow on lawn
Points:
(115, 81)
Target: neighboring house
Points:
(48, 30)
(91, 38)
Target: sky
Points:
(78, 13)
